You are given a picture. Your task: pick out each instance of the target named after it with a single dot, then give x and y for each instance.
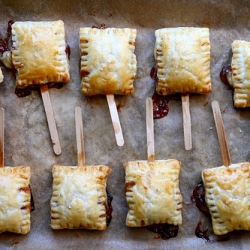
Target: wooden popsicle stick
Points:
(115, 120)
(186, 122)
(79, 137)
(150, 130)
(1, 137)
(221, 134)
(50, 119)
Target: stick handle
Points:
(50, 119)
(1, 137)
(221, 134)
(186, 122)
(79, 137)
(115, 120)
(150, 130)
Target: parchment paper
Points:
(27, 140)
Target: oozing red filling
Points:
(67, 51)
(200, 233)
(109, 208)
(166, 231)
(5, 42)
(22, 92)
(160, 103)
(199, 198)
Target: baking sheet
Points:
(27, 140)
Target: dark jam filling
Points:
(227, 70)
(224, 72)
(32, 203)
(25, 91)
(84, 73)
(5, 42)
(160, 103)
(109, 208)
(67, 51)
(22, 92)
(200, 233)
(102, 27)
(203, 234)
(199, 197)
(166, 231)
(28, 190)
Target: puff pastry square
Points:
(152, 193)
(241, 73)
(15, 198)
(108, 62)
(79, 197)
(39, 52)
(228, 197)
(183, 60)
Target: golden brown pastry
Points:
(152, 193)
(1, 75)
(108, 62)
(15, 198)
(39, 52)
(183, 60)
(239, 78)
(79, 197)
(228, 197)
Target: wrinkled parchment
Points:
(27, 140)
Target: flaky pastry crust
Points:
(39, 52)
(15, 198)
(152, 193)
(241, 73)
(108, 62)
(228, 197)
(79, 197)
(183, 60)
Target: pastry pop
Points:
(39, 56)
(227, 187)
(108, 66)
(183, 66)
(237, 74)
(15, 193)
(152, 186)
(79, 198)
